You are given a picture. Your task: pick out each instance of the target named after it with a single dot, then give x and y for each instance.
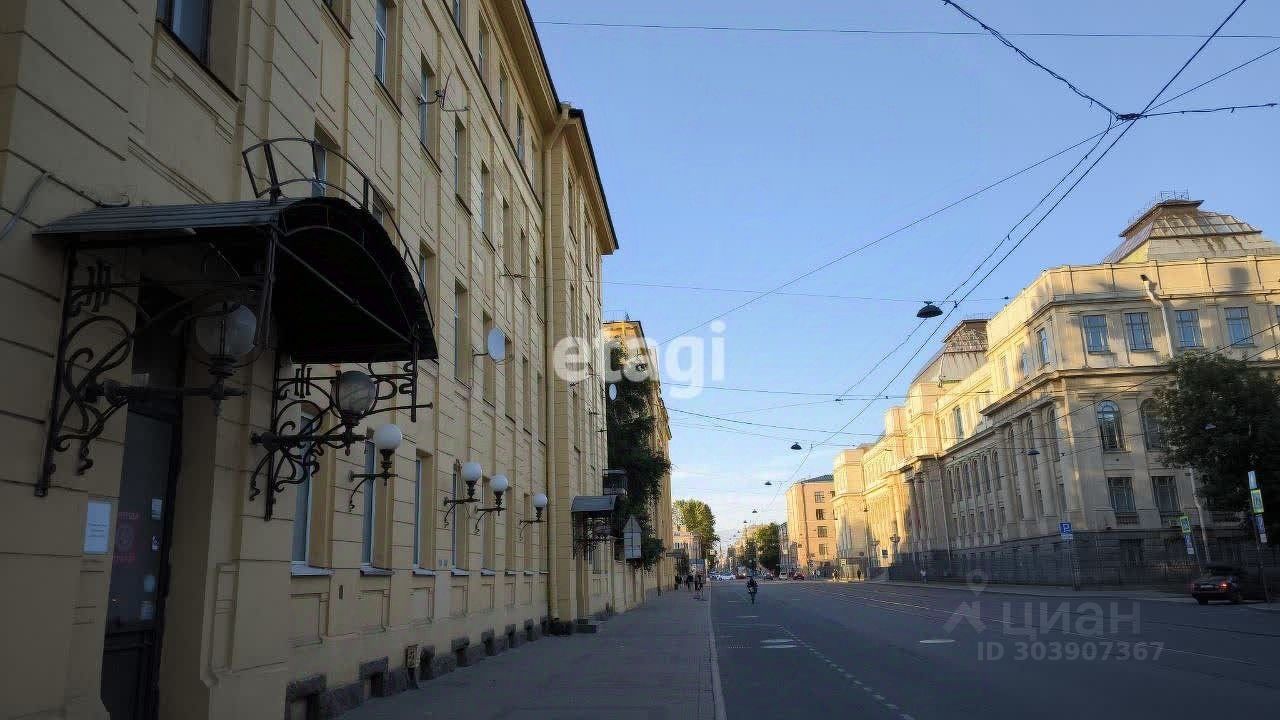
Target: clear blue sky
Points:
(741, 159)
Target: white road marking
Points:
(778, 647)
(778, 640)
(740, 617)
(936, 641)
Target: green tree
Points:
(768, 553)
(1221, 416)
(697, 518)
(631, 427)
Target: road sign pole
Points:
(1259, 531)
(1068, 536)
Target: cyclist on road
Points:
(752, 587)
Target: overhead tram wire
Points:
(883, 32)
(1127, 126)
(928, 216)
(1025, 56)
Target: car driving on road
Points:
(1225, 582)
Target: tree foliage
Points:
(1221, 417)
(697, 518)
(767, 550)
(632, 427)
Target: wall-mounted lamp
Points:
(385, 440)
(539, 504)
(470, 473)
(498, 485)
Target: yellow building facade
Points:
(811, 524)
(369, 189)
(1044, 415)
(630, 335)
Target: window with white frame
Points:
(1188, 328)
(1152, 429)
(1165, 488)
(1109, 426)
(189, 21)
(381, 39)
(427, 104)
(1095, 333)
(302, 501)
(1120, 490)
(370, 507)
(1137, 330)
(1042, 343)
(1239, 331)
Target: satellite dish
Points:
(496, 345)
(613, 391)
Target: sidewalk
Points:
(651, 663)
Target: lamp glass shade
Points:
(357, 392)
(499, 484)
(227, 331)
(928, 311)
(387, 437)
(539, 501)
(471, 472)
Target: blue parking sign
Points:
(1064, 530)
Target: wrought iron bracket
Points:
(293, 449)
(359, 480)
(481, 512)
(523, 525)
(84, 398)
(591, 531)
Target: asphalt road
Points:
(880, 652)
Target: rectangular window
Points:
(1121, 492)
(957, 420)
(482, 53)
(486, 200)
(819, 496)
(1166, 491)
(1137, 329)
(487, 530)
(302, 503)
(1188, 328)
(1239, 331)
(458, 518)
(427, 103)
(490, 367)
(822, 532)
(1004, 372)
(459, 159)
(819, 514)
(509, 379)
(502, 94)
(822, 551)
(541, 404)
(520, 137)
(526, 392)
(417, 512)
(461, 335)
(370, 506)
(459, 18)
(428, 274)
(1095, 333)
(320, 169)
(1051, 433)
(189, 21)
(1042, 341)
(530, 531)
(1024, 361)
(381, 17)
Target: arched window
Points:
(1109, 426)
(1152, 429)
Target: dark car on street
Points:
(1225, 582)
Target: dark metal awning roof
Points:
(593, 503)
(341, 289)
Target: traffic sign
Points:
(1253, 480)
(1064, 531)
(1255, 495)
(1191, 548)
(1184, 522)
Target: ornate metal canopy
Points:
(322, 279)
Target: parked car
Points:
(1225, 582)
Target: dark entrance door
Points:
(139, 568)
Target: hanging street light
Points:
(928, 311)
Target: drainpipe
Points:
(1204, 522)
(1149, 286)
(553, 606)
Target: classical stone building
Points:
(811, 524)
(1043, 415)
(241, 240)
(630, 335)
